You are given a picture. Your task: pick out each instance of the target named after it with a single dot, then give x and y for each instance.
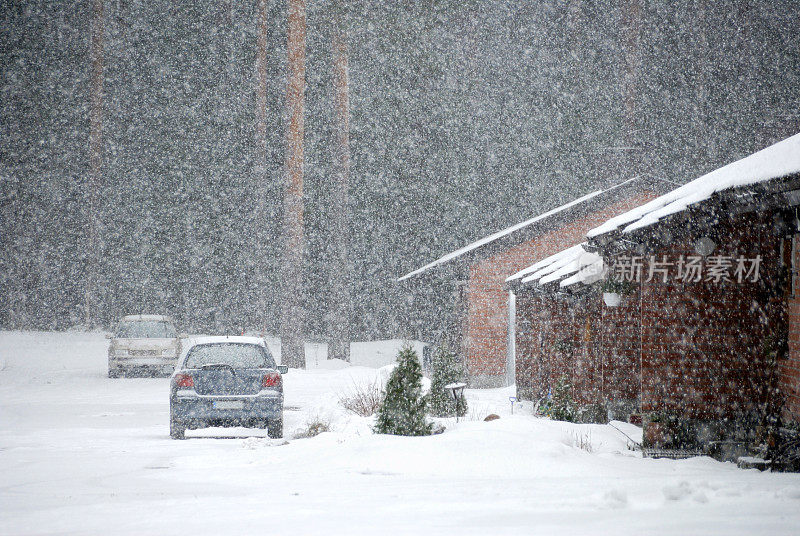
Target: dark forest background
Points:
(466, 117)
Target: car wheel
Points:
(275, 428)
(176, 429)
(113, 373)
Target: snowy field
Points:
(83, 454)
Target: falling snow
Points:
(320, 174)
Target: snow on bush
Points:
(445, 369)
(314, 426)
(402, 411)
(559, 406)
(363, 399)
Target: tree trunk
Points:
(95, 165)
(705, 142)
(631, 27)
(261, 100)
(260, 173)
(292, 317)
(340, 317)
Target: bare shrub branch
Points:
(363, 399)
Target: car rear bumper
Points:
(163, 364)
(202, 410)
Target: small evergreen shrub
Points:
(402, 411)
(559, 406)
(445, 369)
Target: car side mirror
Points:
(283, 369)
(108, 336)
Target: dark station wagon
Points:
(226, 381)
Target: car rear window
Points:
(233, 354)
(145, 329)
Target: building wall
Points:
(543, 325)
(705, 350)
(705, 345)
(485, 342)
(621, 352)
(530, 339)
(790, 368)
(377, 354)
(596, 348)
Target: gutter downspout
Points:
(511, 345)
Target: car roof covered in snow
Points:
(221, 339)
(153, 318)
(776, 161)
(191, 342)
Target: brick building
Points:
(709, 329)
(482, 307)
(571, 334)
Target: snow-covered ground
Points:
(83, 454)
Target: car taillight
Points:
(184, 380)
(272, 379)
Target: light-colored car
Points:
(143, 344)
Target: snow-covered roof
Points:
(549, 264)
(588, 273)
(505, 232)
(776, 161)
(575, 264)
(154, 318)
(568, 267)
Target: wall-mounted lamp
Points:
(705, 246)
